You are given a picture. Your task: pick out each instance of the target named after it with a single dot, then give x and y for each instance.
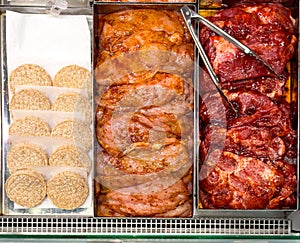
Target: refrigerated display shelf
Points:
(204, 226)
(144, 227)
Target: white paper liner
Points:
(52, 43)
(48, 143)
(50, 117)
(52, 92)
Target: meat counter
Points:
(156, 95)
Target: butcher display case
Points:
(117, 122)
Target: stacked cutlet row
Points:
(49, 138)
(144, 114)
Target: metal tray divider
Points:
(196, 126)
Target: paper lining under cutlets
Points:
(26, 58)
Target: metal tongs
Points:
(188, 15)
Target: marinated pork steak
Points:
(238, 182)
(145, 160)
(116, 131)
(268, 29)
(161, 203)
(116, 28)
(139, 89)
(273, 87)
(144, 114)
(248, 158)
(132, 40)
(262, 135)
(145, 109)
(261, 125)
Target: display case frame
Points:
(203, 225)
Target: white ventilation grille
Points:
(145, 227)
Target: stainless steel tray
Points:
(292, 90)
(204, 224)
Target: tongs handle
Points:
(188, 14)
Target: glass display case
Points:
(144, 72)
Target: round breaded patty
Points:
(73, 102)
(67, 190)
(70, 155)
(29, 74)
(29, 99)
(26, 188)
(29, 126)
(73, 76)
(25, 155)
(75, 130)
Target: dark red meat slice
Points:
(266, 28)
(242, 159)
(238, 182)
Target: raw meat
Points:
(268, 29)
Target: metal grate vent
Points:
(146, 227)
